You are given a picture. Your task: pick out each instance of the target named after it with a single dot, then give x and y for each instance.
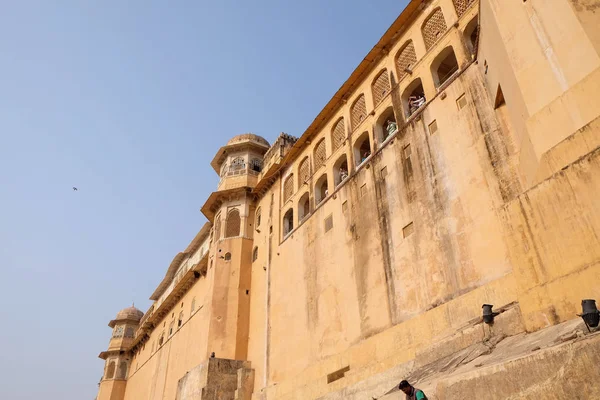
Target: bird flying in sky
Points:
(75, 189)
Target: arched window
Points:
(462, 6)
(288, 222)
(233, 223)
(257, 218)
(340, 170)
(255, 254)
(433, 28)
(444, 66)
(256, 164)
(386, 125)
(362, 148)
(303, 171)
(405, 60)
(338, 134)
(227, 256)
(171, 326)
(303, 207)
(471, 34)
(413, 97)
(380, 87)
(321, 189)
(320, 154)
(110, 370)
(237, 164)
(358, 111)
(217, 228)
(122, 370)
(180, 320)
(288, 187)
(129, 332)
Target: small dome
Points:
(129, 313)
(248, 137)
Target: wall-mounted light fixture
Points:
(488, 314)
(589, 313)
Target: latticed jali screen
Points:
(257, 217)
(358, 112)
(303, 171)
(320, 154)
(339, 134)
(462, 6)
(217, 231)
(232, 227)
(381, 87)
(406, 59)
(434, 28)
(288, 187)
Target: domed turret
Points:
(129, 314)
(240, 161)
(248, 137)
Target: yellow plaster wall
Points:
(154, 375)
(330, 291)
(544, 55)
(366, 294)
(554, 231)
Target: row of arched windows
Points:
(443, 68)
(362, 149)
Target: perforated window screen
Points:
(257, 218)
(232, 227)
(338, 134)
(320, 154)
(217, 231)
(406, 59)
(380, 87)
(122, 370)
(288, 187)
(110, 370)
(433, 28)
(462, 6)
(358, 111)
(303, 171)
(237, 164)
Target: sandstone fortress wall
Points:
(458, 165)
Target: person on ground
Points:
(411, 392)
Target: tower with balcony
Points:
(231, 209)
(117, 358)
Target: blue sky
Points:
(129, 101)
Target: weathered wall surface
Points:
(478, 198)
(555, 246)
(333, 289)
(544, 56)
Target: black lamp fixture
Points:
(590, 313)
(488, 314)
